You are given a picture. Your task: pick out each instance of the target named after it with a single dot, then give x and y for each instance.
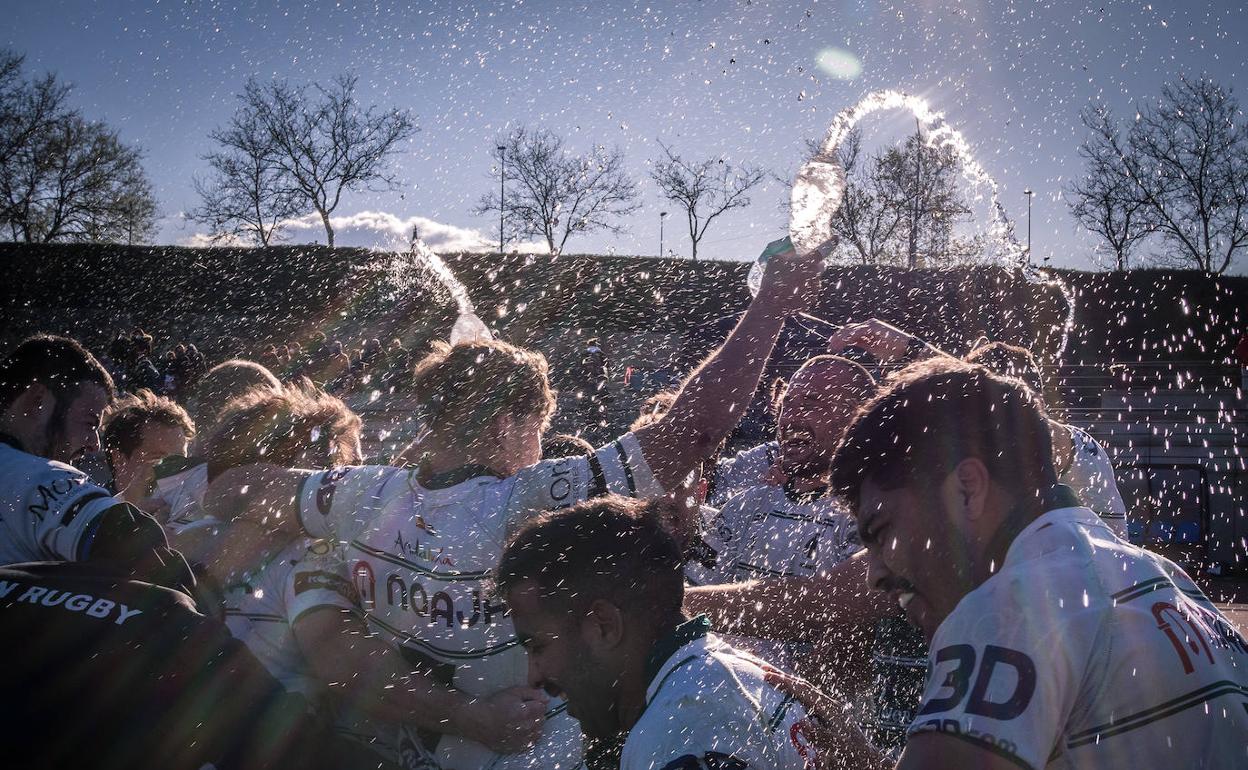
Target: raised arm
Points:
(715, 396)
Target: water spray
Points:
(820, 185)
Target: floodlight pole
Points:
(1028, 192)
(662, 216)
(502, 192)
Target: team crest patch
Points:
(325, 491)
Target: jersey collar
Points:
(666, 647)
(804, 498)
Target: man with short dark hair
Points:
(595, 592)
(52, 395)
(139, 432)
(1054, 643)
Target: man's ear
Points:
(603, 625)
(972, 484)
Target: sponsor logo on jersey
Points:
(326, 581)
(43, 596)
(1196, 632)
(53, 491)
(325, 490)
(958, 681)
(465, 612)
(422, 552)
(561, 483)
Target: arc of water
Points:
(820, 185)
(467, 326)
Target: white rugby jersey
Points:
(763, 531)
(1091, 476)
(1085, 651)
(48, 510)
(709, 706)
(184, 492)
(263, 605)
(742, 471)
(421, 557)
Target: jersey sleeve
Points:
(338, 503)
(619, 467)
(319, 580)
(65, 509)
(1007, 669)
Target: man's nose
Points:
(93, 441)
(879, 576)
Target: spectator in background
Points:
(139, 431)
(591, 385)
(141, 372)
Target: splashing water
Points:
(468, 326)
(820, 185)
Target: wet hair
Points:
(277, 427)
(460, 390)
(125, 420)
(558, 445)
(936, 413)
(60, 364)
(653, 409)
(611, 548)
(227, 381)
(1011, 361)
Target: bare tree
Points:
(556, 194)
(246, 194)
(865, 222)
(63, 177)
(1104, 200)
(1185, 158)
(902, 201)
(705, 188)
(325, 145)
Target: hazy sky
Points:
(736, 78)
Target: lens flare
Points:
(839, 63)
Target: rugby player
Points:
(112, 673)
(1054, 643)
(796, 529)
(52, 395)
(595, 592)
(422, 542)
(181, 482)
(140, 431)
(1082, 463)
(293, 604)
